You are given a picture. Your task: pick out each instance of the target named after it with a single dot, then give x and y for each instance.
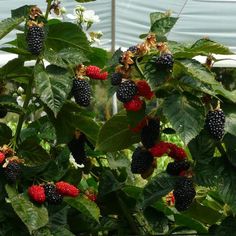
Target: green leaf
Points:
(158, 187)
(202, 148)
(32, 216)
(53, 86)
(66, 35)
(66, 57)
(32, 152)
(71, 117)
(98, 57)
(203, 214)
(59, 231)
(186, 115)
(190, 223)
(21, 11)
(196, 70)
(155, 16)
(229, 141)
(220, 90)
(207, 46)
(230, 115)
(5, 134)
(115, 135)
(7, 25)
(85, 206)
(163, 25)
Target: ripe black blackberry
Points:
(35, 39)
(82, 92)
(126, 91)
(184, 193)
(176, 167)
(150, 133)
(116, 78)
(12, 171)
(165, 62)
(214, 124)
(141, 161)
(3, 112)
(132, 49)
(52, 196)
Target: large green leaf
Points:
(229, 141)
(66, 57)
(163, 25)
(71, 117)
(66, 35)
(200, 47)
(32, 152)
(32, 216)
(158, 187)
(98, 57)
(53, 86)
(220, 90)
(115, 134)
(190, 223)
(196, 70)
(186, 115)
(85, 206)
(7, 25)
(21, 11)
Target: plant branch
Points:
(49, 2)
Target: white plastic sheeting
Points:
(215, 19)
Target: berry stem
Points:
(49, 2)
(221, 149)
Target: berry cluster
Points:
(94, 72)
(215, 122)
(184, 193)
(164, 62)
(11, 164)
(52, 193)
(177, 167)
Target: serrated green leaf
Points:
(115, 135)
(53, 86)
(97, 57)
(65, 57)
(230, 118)
(158, 187)
(197, 71)
(66, 35)
(32, 216)
(220, 90)
(7, 25)
(163, 25)
(229, 141)
(186, 115)
(59, 231)
(85, 206)
(155, 16)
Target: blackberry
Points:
(77, 148)
(176, 167)
(35, 39)
(13, 171)
(141, 161)
(214, 124)
(82, 92)
(116, 78)
(184, 193)
(165, 62)
(132, 49)
(150, 133)
(126, 91)
(3, 112)
(52, 196)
